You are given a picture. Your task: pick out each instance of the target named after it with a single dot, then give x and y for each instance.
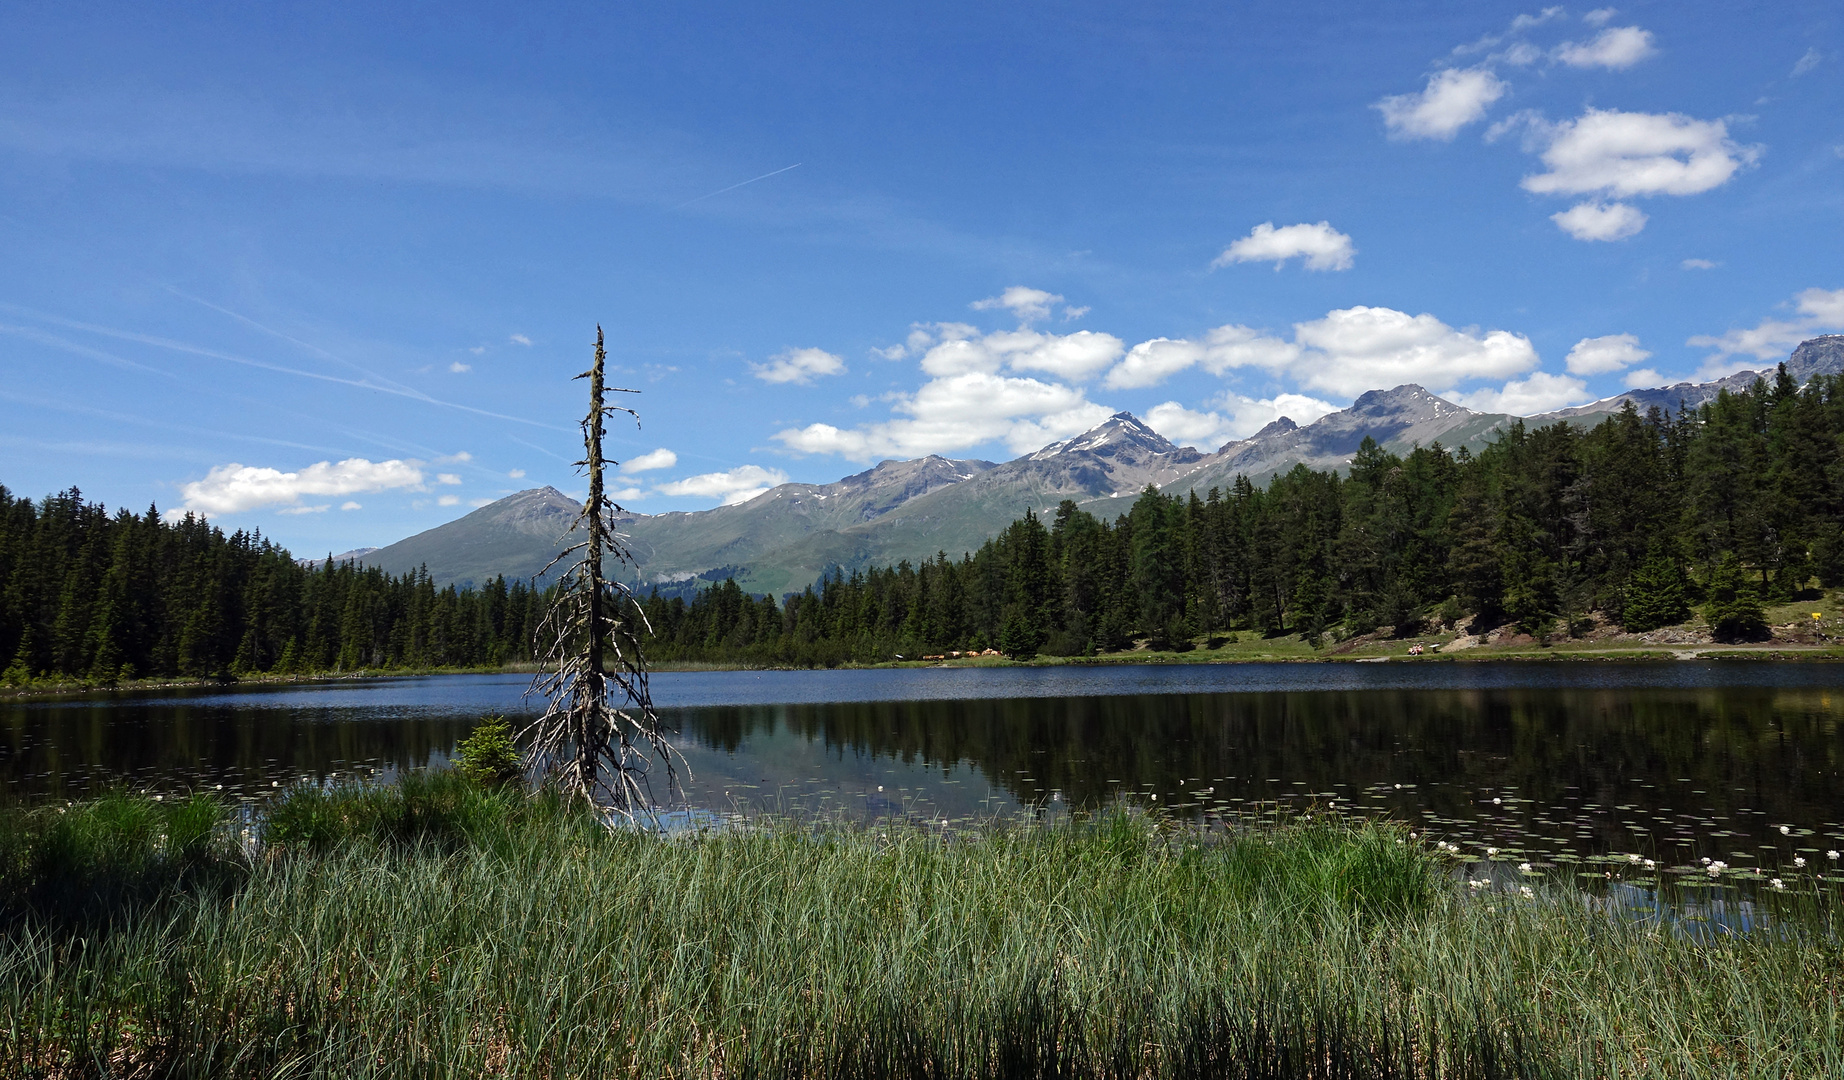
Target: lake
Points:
(1738, 761)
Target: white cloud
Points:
(1600, 355)
(1346, 352)
(1806, 63)
(1026, 303)
(1226, 347)
(1187, 427)
(1639, 377)
(1233, 416)
(449, 500)
(654, 459)
(1595, 220)
(350, 505)
(956, 412)
(1322, 247)
(1817, 311)
(519, 339)
(234, 488)
(733, 486)
(626, 495)
(799, 366)
(448, 478)
(517, 474)
(962, 349)
(321, 509)
(1526, 22)
(459, 368)
(478, 350)
(1599, 16)
(1452, 99)
(1699, 264)
(1626, 154)
(1365, 348)
(1540, 392)
(1617, 47)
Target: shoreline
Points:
(1288, 650)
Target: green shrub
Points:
(489, 757)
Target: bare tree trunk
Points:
(591, 638)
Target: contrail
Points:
(733, 187)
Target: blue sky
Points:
(327, 272)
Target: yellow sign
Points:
(1818, 614)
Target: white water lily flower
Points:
(1634, 859)
(1777, 883)
(1706, 860)
(1525, 890)
(1650, 865)
(1498, 802)
(1786, 830)
(1523, 867)
(1491, 851)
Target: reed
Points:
(435, 929)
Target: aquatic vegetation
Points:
(437, 928)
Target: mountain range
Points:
(788, 536)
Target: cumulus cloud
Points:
(459, 368)
(799, 366)
(1028, 304)
(1699, 264)
(733, 486)
(350, 505)
(517, 474)
(654, 459)
(959, 411)
(1452, 99)
(1617, 47)
(235, 488)
(1816, 311)
(1594, 220)
(1626, 154)
(1363, 348)
(1599, 16)
(1600, 355)
(956, 348)
(1346, 352)
(449, 500)
(1152, 362)
(1232, 417)
(1806, 63)
(519, 339)
(1540, 392)
(1639, 377)
(1321, 246)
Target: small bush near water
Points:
(436, 928)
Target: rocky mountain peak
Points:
(1118, 435)
(1819, 356)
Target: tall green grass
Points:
(434, 930)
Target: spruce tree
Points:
(1734, 608)
(1655, 593)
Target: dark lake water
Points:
(1737, 761)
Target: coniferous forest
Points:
(1641, 520)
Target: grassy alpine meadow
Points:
(437, 928)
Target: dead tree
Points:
(599, 736)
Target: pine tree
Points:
(1655, 593)
(1734, 608)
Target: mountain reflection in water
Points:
(1563, 761)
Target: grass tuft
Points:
(433, 928)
